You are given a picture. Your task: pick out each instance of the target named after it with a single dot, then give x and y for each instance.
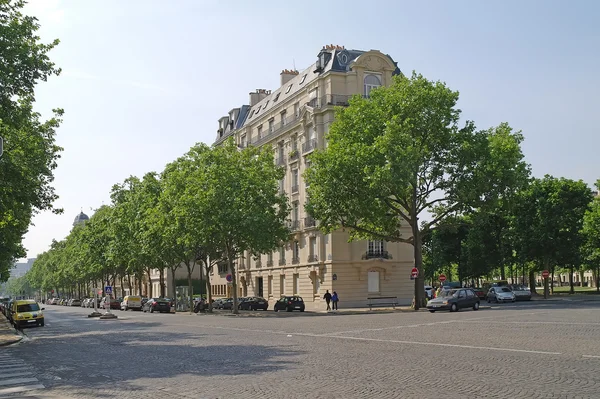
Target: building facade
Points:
(294, 120)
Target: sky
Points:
(144, 80)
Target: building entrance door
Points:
(259, 285)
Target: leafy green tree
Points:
(30, 152)
(548, 224)
(400, 154)
(591, 231)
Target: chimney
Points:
(287, 75)
(256, 97)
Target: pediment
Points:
(374, 61)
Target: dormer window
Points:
(276, 97)
(303, 79)
(265, 106)
(288, 89)
(251, 113)
(371, 82)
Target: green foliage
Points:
(30, 152)
(402, 153)
(591, 231)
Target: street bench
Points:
(382, 301)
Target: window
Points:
(296, 254)
(295, 143)
(312, 248)
(276, 97)
(282, 284)
(259, 130)
(258, 110)
(296, 284)
(376, 246)
(28, 307)
(283, 118)
(373, 281)
(281, 253)
(243, 141)
(371, 82)
(251, 113)
(295, 182)
(271, 126)
(265, 106)
(295, 211)
(297, 109)
(282, 185)
(288, 89)
(303, 79)
(270, 286)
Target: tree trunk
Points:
(131, 291)
(150, 293)
(173, 270)
(598, 279)
(208, 288)
(234, 309)
(190, 293)
(419, 294)
(571, 283)
(122, 286)
(532, 285)
(161, 276)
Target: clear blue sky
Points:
(144, 80)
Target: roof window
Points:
(303, 79)
(288, 89)
(276, 97)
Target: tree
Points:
(400, 154)
(548, 223)
(30, 152)
(242, 207)
(591, 231)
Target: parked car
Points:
(522, 293)
(454, 300)
(161, 305)
(254, 303)
(429, 291)
(131, 302)
(75, 302)
(289, 303)
(26, 312)
(501, 294)
(114, 303)
(480, 292)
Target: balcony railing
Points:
(313, 258)
(280, 160)
(309, 221)
(377, 255)
(309, 146)
(294, 155)
(295, 260)
(294, 225)
(330, 100)
(313, 103)
(270, 263)
(286, 122)
(295, 189)
(281, 261)
(258, 263)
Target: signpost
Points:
(442, 278)
(414, 273)
(95, 313)
(545, 275)
(108, 315)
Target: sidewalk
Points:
(8, 335)
(567, 297)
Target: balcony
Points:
(280, 161)
(294, 225)
(309, 146)
(313, 258)
(282, 262)
(258, 263)
(309, 221)
(270, 263)
(313, 103)
(377, 255)
(295, 189)
(330, 100)
(294, 155)
(278, 128)
(295, 260)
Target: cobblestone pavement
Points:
(522, 350)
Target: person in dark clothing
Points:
(327, 298)
(335, 299)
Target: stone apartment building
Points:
(293, 120)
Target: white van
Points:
(131, 302)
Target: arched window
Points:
(371, 82)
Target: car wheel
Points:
(476, 306)
(275, 309)
(126, 308)
(151, 310)
(432, 311)
(41, 323)
(454, 308)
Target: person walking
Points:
(335, 299)
(327, 298)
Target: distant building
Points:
(21, 268)
(80, 219)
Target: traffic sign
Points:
(442, 278)
(108, 289)
(229, 278)
(545, 274)
(414, 273)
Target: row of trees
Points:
(208, 206)
(30, 152)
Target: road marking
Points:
(16, 376)
(536, 322)
(14, 381)
(389, 328)
(23, 388)
(591, 356)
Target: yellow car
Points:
(26, 312)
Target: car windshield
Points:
(504, 289)
(447, 293)
(28, 307)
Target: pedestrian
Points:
(327, 298)
(335, 299)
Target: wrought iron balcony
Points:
(294, 225)
(281, 261)
(295, 261)
(313, 258)
(377, 255)
(295, 189)
(309, 221)
(309, 146)
(270, 263)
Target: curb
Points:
(18, 337)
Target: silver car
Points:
(522, 293)
(501, 294)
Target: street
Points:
(523, 350)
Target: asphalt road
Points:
(524, 350)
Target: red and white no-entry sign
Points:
(414, 273)
(545, 274)
(442, 278)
